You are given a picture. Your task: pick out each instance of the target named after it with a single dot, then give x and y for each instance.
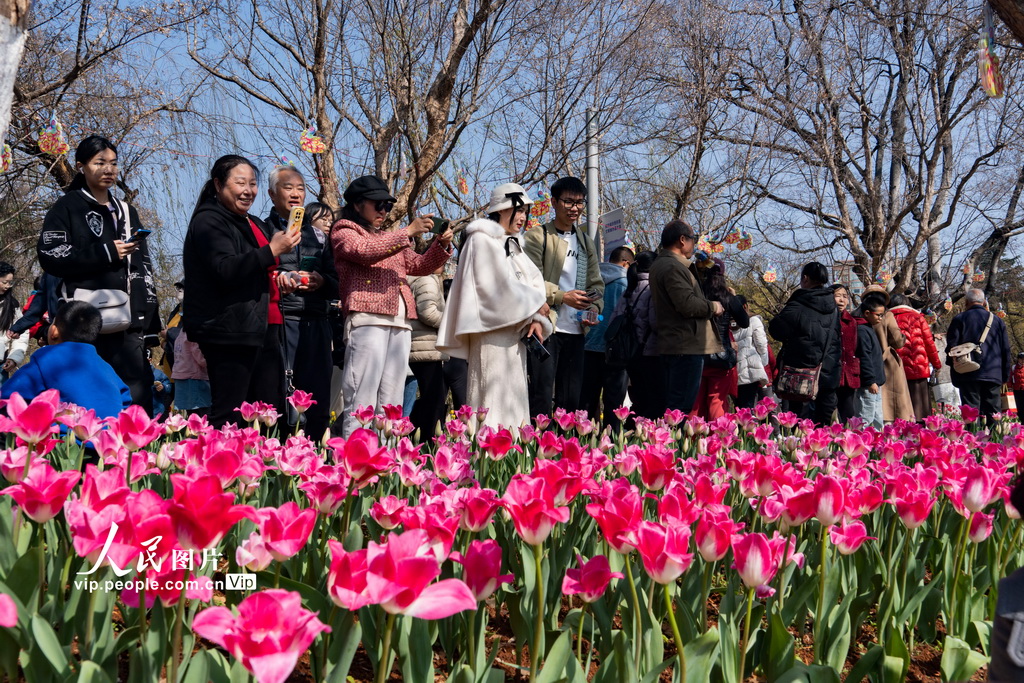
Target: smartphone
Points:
(295, 219)
(593, 295)
(535, 347)
(440, 225)
(308, 263)
(139, 235)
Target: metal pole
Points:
(593, 196)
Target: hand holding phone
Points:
(295, 220)
(139, 235)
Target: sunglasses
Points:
(384, 205)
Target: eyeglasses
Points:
(384, 206)
(579, 203)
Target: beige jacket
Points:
(428, 290)
(547, 251)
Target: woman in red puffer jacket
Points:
(917, 354)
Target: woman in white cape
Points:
(497, 299)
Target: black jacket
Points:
(995, 352)
(317, 257)
(227, 281)
(77, 245)
(803, 328)
(869, 351)
(45, 302)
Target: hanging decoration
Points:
(884, 276)
(311, 142)
(734, 235)
(966, 270)
(989, 74)
(929, 316)
(285, 161)
(542, 206)
(463, 185)
(745, 242)
(979, 276)
(6, 158)
(948, 304)
(52, 140)
(1001, 312)
(703, 244)
(770, 275)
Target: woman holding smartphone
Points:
(87, 241)
(372, 265)
(497, 307)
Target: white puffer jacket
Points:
(752, 352)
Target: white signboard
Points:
(615, 235)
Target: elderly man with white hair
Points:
(982, 388)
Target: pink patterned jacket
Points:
(372, 267)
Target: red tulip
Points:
(531, 503)
(714, 535)
(269, 634)
(497, 443)
(202, 512)
(657, 467)
(663, 550)
(362, 456)
(327, 489)
(481, 568)
(590, 580)
(43, 492)
(850, 537)
(135, 429)
(618, 510)
(346, 578)
(286, 529)
(32, 422)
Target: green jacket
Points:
(683, 314)
(547, 250)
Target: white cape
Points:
(496, 285)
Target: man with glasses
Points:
(570, 264)
(684, 315)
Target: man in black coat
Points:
(982, 388)
(307, 328)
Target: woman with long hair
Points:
(12, 347)
(232, 292)
(92, 240)
(719, 378)
(496, 307)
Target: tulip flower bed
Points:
(191, 554)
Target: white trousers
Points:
(376, 359)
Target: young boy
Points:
(868, 400)
(71, 365)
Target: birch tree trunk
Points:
(13, 18)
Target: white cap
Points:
(501, 197)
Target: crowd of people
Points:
(518, 321)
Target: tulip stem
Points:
(87, 636)
(176, 638)
(705, 589)
(348, 511)
(746, 633)
(961, 545)
(675, 633)
(579, 634)
(638, 636)
(819, 615)
(472, 643)
(277, 575)
(385, 653)
(42, 563)
(538, 628)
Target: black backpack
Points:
(621, 343)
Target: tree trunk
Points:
(13, 19)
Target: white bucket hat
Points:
(502, 197)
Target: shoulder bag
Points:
(967, 357)
(801, 383)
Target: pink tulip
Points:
(346, 578)
(202, 512)
(481, 568)
(361, 456)
(269, 634)
(622, 413)
(800, 506)
(913, 507)
(248, 411)
(531, 503)
(253, 553)
(657, 466)
(387, 511)
(301, 401)
(969, 414)
(478, 508)
(43, 492)
(850, 537)
(981, 527)
(676, 507)
(286, 529)
(12, 463)
(164, 584)
(617, 508)
(590, 580)
(327, 489)
(831, 500)
(979, 488)
(549, 445)
(714, 535)
(497, 443)
(542, 422)
(32, 422)
(135, 429)
(663, 550)
(755, 561)
(8, 611)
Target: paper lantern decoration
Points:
(461, 182)
(770, 275)
(989, 74)
(948, 304)
(51, 139)
(966, 270)
(542, 206)
(734, 235)
(717, 248)
(929, 316)
(1001, 312)
(979, 276)
(311, 142)
(704, 245)
(285, 161)
(6, 158)
(883, 276)
(745, 242)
